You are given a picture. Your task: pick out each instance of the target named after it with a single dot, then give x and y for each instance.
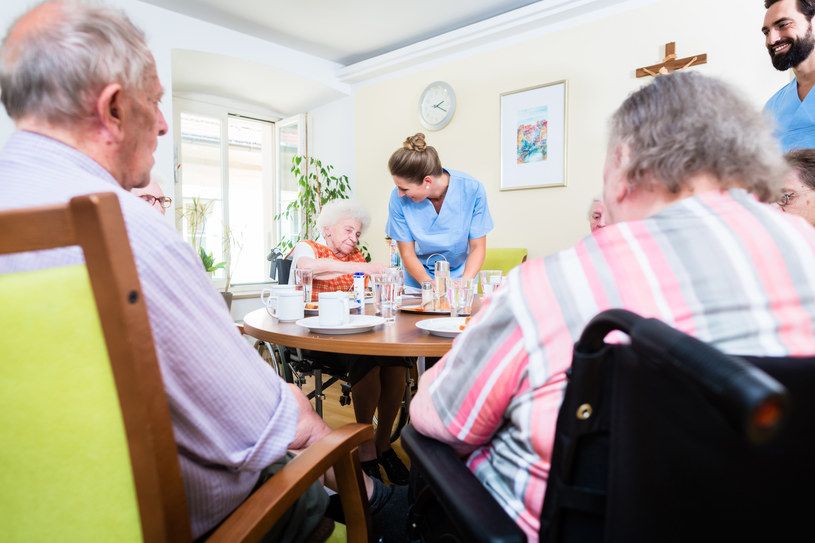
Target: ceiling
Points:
(345, 32)
(353, 34)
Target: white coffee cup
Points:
(334, 309)
(289, 306)
(269, 295)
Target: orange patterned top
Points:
(342, 282)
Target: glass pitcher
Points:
(442, 284)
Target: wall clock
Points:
(437, 105)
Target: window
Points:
(231, 183)
(290, 144)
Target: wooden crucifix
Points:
(670, 63)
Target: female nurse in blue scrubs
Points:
(434, 211)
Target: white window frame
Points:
(271, 198)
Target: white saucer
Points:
(357, 324)
(443, 327)
(352, 304)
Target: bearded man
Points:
(788, 36)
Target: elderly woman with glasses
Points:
(153, 195)
(377, 383)
(798, 197)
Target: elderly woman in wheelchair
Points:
(377, 383)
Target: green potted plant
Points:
(317, 187)
(195, 215)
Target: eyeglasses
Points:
(787, 196)
(163, 201)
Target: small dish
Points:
(446, 327)
(313, 308)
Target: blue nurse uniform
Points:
(464, 215)
(795, 119)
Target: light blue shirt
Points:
(464, 215)
(795, 119)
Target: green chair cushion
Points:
(504, 259)
(66, 472)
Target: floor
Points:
(336, 415)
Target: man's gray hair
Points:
(56, 71)
(337, 210)
(683, 124)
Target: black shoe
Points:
(371, 468)
(396, 471)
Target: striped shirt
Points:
(232, 415)
(720, 266)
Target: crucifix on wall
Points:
(670, 63)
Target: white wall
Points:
(599, 60)
(333, 137)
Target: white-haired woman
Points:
(376, 382)
(334, 257)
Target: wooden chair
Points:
(88, 451)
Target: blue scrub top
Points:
(464, 216)
(795, 119)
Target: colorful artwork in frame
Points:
(533, 137)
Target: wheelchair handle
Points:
(751, 400)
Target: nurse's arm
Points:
(478, 250)
(411, 262)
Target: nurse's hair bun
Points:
(415, 143)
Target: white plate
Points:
(417, 308)
(352, 304)
(449, 327)
(358, 323)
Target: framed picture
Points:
(533, 137)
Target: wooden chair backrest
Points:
(95, 224)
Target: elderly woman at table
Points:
(376, 382)
(335, 257)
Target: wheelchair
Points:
(662, 439)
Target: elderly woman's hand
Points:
(374, 267)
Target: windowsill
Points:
(253, 290)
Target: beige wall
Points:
(599, 60)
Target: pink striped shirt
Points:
(720, 266)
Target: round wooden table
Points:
(400, 338)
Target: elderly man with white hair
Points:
(81, 86)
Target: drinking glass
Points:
(490, 279)
(385, 285)
(302, 279)
(442, 280)
(400, 286)
(460, 296)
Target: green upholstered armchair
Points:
(503, 258)
(87, 451)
